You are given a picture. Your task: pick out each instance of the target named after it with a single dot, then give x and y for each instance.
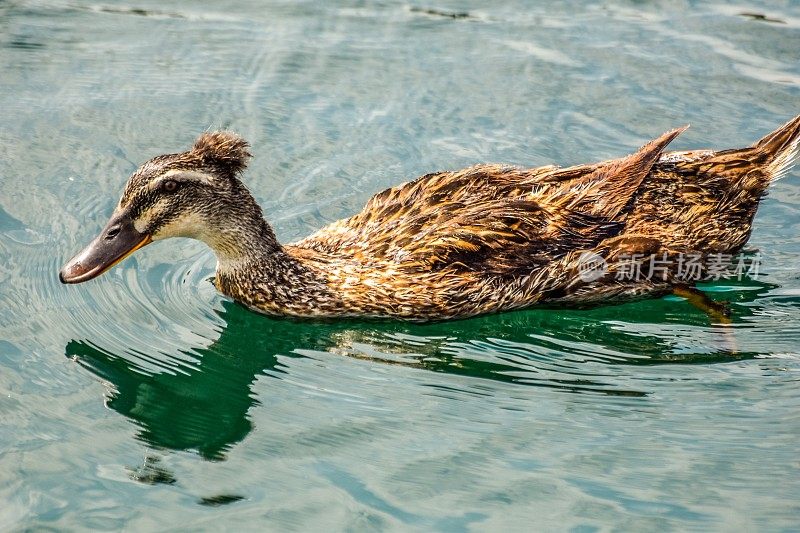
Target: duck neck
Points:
(245, 245)
(253, 268)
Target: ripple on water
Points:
(643, 415)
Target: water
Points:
(144, 399)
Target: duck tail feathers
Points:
(776, 152)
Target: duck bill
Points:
(118, 240)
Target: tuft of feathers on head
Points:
(223, 149)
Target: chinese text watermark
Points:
(691, 267)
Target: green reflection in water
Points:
(204, 407)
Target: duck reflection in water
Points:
(205, 407)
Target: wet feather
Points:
(484, 239)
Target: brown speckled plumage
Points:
(454, 244)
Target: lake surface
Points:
(146, 400)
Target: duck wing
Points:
(493, 219)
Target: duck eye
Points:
(170, 185)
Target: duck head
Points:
(194, 194)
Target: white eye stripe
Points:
(192, 175)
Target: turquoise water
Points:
(146, 400)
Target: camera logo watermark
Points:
(591, 267)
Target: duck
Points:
(455, 244)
